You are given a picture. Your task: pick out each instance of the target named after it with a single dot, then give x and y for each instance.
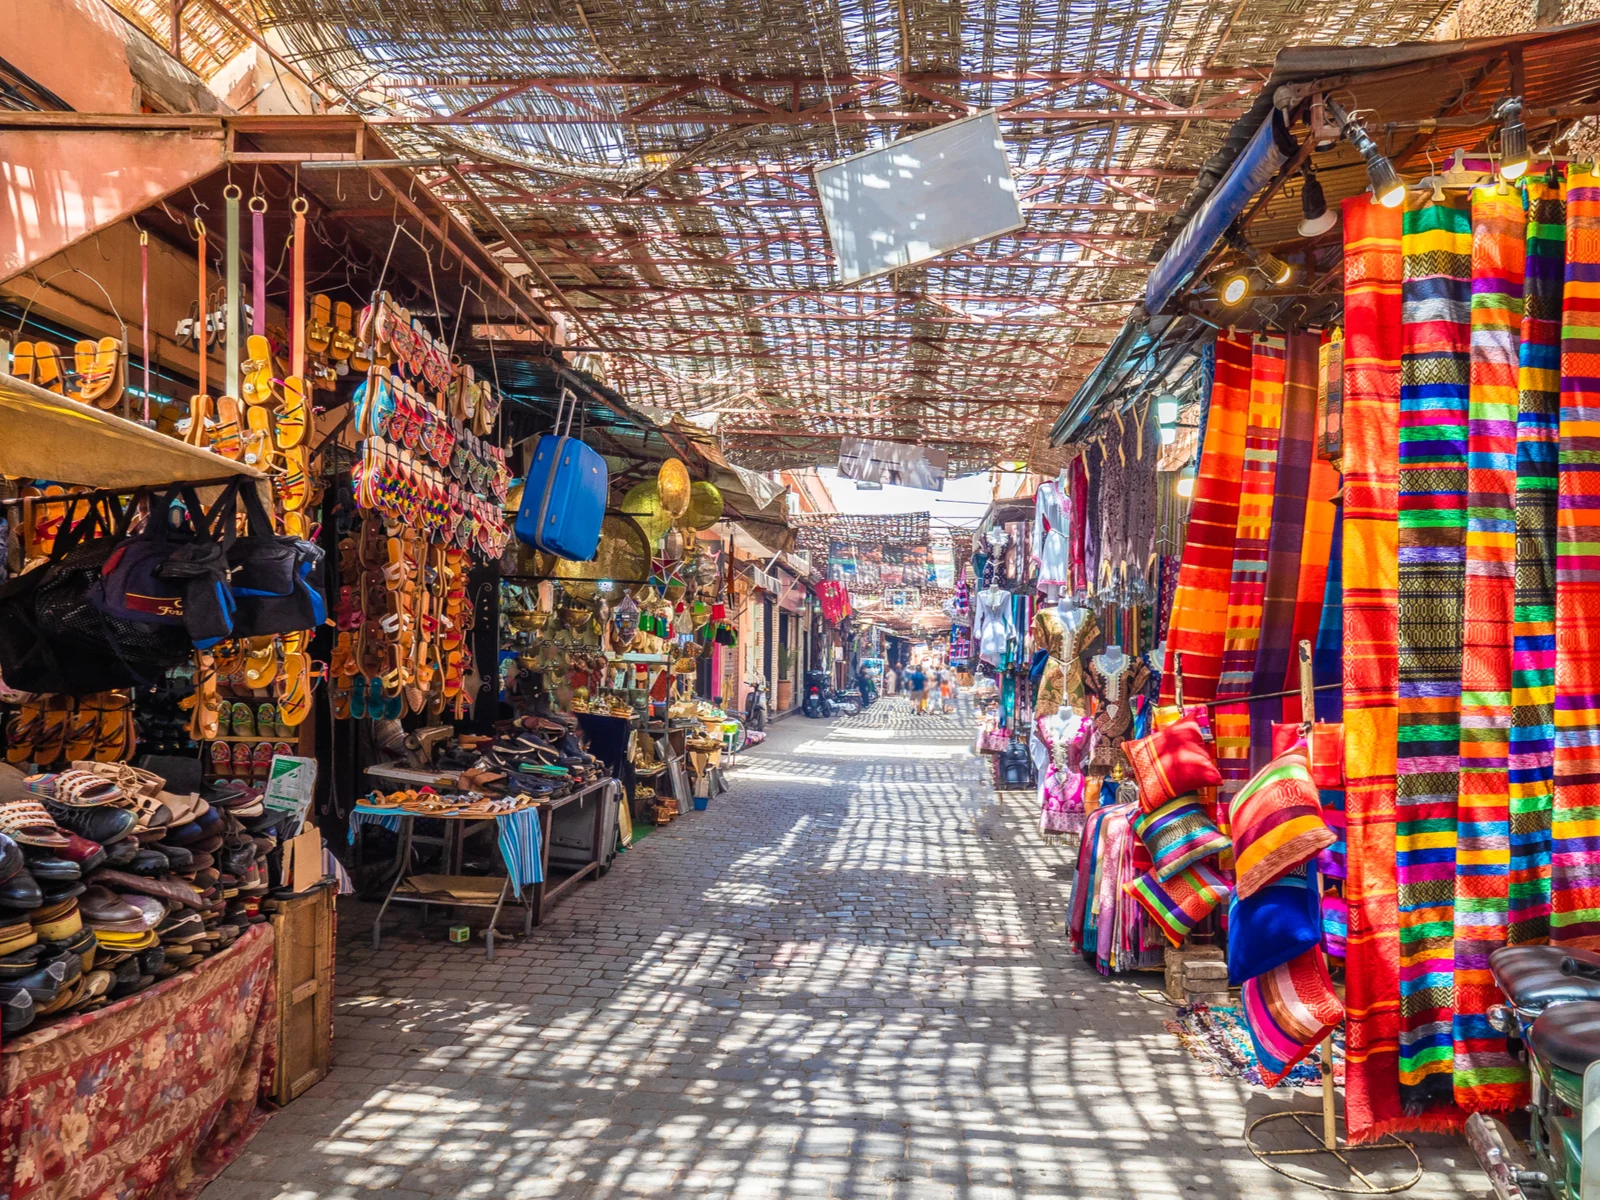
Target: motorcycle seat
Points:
(1531, 977)
(1567, 1035)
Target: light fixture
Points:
(1186, 479)
(1235, 287)
(1274, 268)
(1387, 186)
(1167, 418)
(1513, 139)
(1315, 216)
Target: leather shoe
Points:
(120, 854)
(57, 892)
(21, 891)
(178, 858)
(16, 1009)
(148, 862)
(103, 824)
(161, 889)
(88, 855)
(99, 904)
(10, 858)
(46, 867)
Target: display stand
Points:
(543, 892)
(1330, 1142)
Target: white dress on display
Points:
(1050, 536)
(995, 629)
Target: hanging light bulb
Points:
(1167, 418)
(1315, 217)
(1274, 268)
(1186, 479)
(1387, 186)
(1235, 287)
(1513, 139)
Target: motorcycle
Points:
(1553, 1010)
(755, 705)
(819, 695)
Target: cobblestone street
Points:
(848, 978)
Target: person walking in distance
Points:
(917, 684)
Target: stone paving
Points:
(848, 978)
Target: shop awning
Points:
(45, 436)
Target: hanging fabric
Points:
(1327, 663)
(1281, 584)
(1200, 608)
(1436, 308)
(1247, 587)
(1486, 1077)
(1575, 825)
(297, 290)
(1317, 556)
(231, 249)
(1533, 655)
(258, 266)
(1372, 272)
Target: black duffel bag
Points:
(277, 581)
(53, 639)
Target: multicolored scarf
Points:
(1575, 825)
(1296, 442)
(1436, 311)
(1247, 588)
(1200, 608)
(1486, 1077)
(1311, 614)
(1372, 274)
(1327, 661)
(1533, 655)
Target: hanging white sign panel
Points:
(899, 463)
(919, 197)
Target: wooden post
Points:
(1330, 1131)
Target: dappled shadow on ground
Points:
(848, 978)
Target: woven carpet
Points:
(1435, 332)
(1575, 826)
(1219, 1038)
(1533, 656)
(1372, 273)
(1200, 607)
(1296, 443)
(1247, 587)
(1486, 1077)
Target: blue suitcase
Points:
(563, 498)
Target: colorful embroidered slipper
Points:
(243, 719)
(291, 418)
(47, 367)
(261, 760)
(318, 330)
(22, 362)
(243, 758)
(256, 371)
(221, 759)
(227, 436)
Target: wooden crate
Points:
(304, 927)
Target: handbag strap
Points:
(257, 522)
(297, 290)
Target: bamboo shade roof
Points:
(655, 156)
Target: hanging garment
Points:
(1436, 305)
(1486, 1076)
(1372, 274)
(1327, 660)
(1533, 655)
(1200, 607)
(1050, 547)
(1247, 586)
(1575, 824)
(993, 631)
(1291, 486)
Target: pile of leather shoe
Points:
(108, 883)
(539, 763)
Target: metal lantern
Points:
(672, 486)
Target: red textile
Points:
(149, 1097)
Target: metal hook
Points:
(338, 185)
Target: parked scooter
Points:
(1553, 1009)
(755, 705)
(819, 695)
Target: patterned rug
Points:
(1575, 829)
(1200, 607)
(1486, 1077)
(1219, 1038)
(1436, 304)
(1372, 265)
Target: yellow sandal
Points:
(291, 419)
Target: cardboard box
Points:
(302, 860)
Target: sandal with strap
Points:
(227, 437)
(256, 371)
(342, 343)
(22, 362)
(319, 330)
(261, 662)
(47, 367)
(290, 423)
(257, 440)
(22, 729)
(112, 739)
(24, 819)
(295, 703)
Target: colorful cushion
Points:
(1281, 921)
(1288, 1011)
(1332, 859)
(1170, 763)
(1276, 822)
(1177, 834)
(1178, 904)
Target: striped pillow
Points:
(1276, 822)
(1171, 762)
(1178, 904)
(1178, 834)
(1288, 1011)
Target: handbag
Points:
(53, 639)
(1014, 768)
(278, 581)
(172, 576)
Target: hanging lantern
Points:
(643, 504)
(672, 486)
(672, 545)
(705, 505)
